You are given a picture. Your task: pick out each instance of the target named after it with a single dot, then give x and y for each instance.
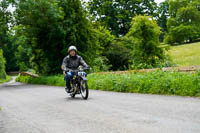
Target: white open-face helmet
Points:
(72, 48)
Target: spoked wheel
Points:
(74, 88)
(84, 89)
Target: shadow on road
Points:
(77, 98)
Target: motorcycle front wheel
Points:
(84, 89)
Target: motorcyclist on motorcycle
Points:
(72, 62)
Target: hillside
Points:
(186, 55)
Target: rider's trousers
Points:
(69, 75)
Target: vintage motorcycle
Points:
(79, 84)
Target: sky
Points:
(159, 1)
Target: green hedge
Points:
(56, 80)
(168, 83)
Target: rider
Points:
(71, 62)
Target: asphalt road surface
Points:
(47, 109)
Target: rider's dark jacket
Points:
(73, 62)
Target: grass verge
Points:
(167, 83)
(56, 80)
(8, 78)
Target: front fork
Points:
(76, 83)
(75, 86)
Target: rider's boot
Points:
(68, 90)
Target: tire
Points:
(73, 95)
(84, 89)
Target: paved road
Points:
(47, 109)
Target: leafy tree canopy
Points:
(117, 14)
(145, 34)
(183, 24)
(50, 27)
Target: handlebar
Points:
(75, 71)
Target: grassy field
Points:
(186, 55)
(158, 82)
(5, 80)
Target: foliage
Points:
(183, 24)
(163, 11)
(116, 14)
(40, 21)
(37, 35)
(11, 60)
(5, 43)
(186, 55)
(103, 39)
(23, 51)
(101, 64)
(51, 27)
(118, 55)
(5, 18)
(50, 80)
(8, 78)
(103, 35)
(2, 66)
(168, 83)
(147, 48)
(172, 83)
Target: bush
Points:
(170, 83)
(103, 40)
(50, 80)
(147, 50)
(2, 66)
(118, 55)
(101, 64)
(159, 82)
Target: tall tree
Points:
(5, 42)
(163, 15)
(51, 26)
(4, 21)
(183, 24)
(40, 20)
(23, 50)
(116, 14)
(145, 34)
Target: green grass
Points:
(8, 78)
(186, 55)
(167, 83)
(56, 80)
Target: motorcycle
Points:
(79, 84)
